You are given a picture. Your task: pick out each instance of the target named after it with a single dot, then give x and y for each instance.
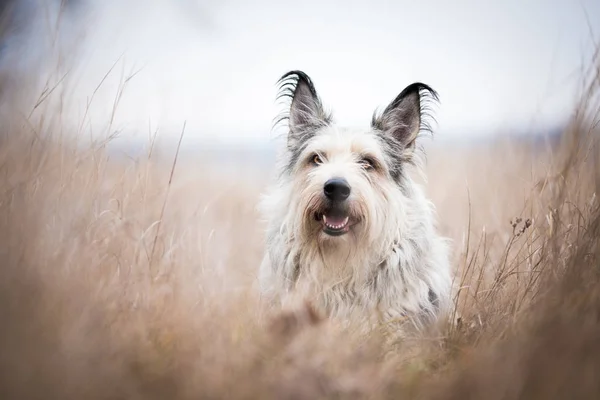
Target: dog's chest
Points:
(342, 284)
(338, 282)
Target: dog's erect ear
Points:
(407, 114)
(306, 112)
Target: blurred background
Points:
(501, 68)
(127, 269)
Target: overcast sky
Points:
(497, 65)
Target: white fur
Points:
(388, 263)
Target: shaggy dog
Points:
(348, 228)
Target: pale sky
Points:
(497, 65)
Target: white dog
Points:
(348, 228)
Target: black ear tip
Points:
(412, 107)
(421, 89)
(296, 76)
(294, 80)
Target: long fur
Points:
(392, 264)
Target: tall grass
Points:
(134, 278)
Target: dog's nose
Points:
(337, 189)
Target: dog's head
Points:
(349, 183)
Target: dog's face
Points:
(348, 183)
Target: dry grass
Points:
(134, 279)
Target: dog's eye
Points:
(367, 163)
(316, 160)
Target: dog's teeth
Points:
(335, 226)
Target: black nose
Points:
(337, 189)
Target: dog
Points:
(347, 227)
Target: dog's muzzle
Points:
(335, 218)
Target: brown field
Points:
(133, 278)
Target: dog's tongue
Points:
(335, 219)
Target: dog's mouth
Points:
(334, 223)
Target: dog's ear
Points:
(306, 113)
(407, 114)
